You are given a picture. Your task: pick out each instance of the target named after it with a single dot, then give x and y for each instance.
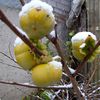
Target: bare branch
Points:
(8, 57)
(10, 65)
(55, 41)
(93, 73)
(80, 66)
(34, 86)
(19, 34)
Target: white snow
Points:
(68, 85)
(82, 36)
(52, 33)
(17, 41)
(94, 91)
(21, 31)
(26, 83)
(83, 45)
(56, 64)
(56, 57)
(37, 4)
(71, 70)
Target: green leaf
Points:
(46, 95)
(89, 45)
(71, 33)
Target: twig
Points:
(34, 86)
(18, 33)
(9, 49)
(8, 57)
(55, 41)
(56, 94)
(80, 66)
(10, 65)
(22, 2)
(93, 73)
(98, 82)
(94, 91)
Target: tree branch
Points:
(19, 34)
(8, 57)
(34, 86)
(80, 66)
(55, 41)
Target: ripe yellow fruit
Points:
(37, 19)
(47, 74)
(82, 43)
(23, 56)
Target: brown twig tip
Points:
(22, 2)
(80, 66)
(19, 34)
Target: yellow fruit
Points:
(23, 56)
(82, 43)
(47, 74)
(37, 19)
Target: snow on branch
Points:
(67, 86)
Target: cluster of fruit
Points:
(37, 20)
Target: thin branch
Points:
(56, 31)
(10, 65)
(94, 91)
(19, 34)
(34, 86)
(8, 57)
(80, 66)
(93, 73)
(22, 2)
(98, 82)
(9, 50)
(55, 41)
(56, 94)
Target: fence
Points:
(93, 11)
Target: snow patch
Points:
(52, 33)
(82, 36)
(36, 4)
(56, 58)
(18, 41)
(68, 86)
(71, 70)
(26, 83)
(21, 31)
(83, 45)
(56, 64)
